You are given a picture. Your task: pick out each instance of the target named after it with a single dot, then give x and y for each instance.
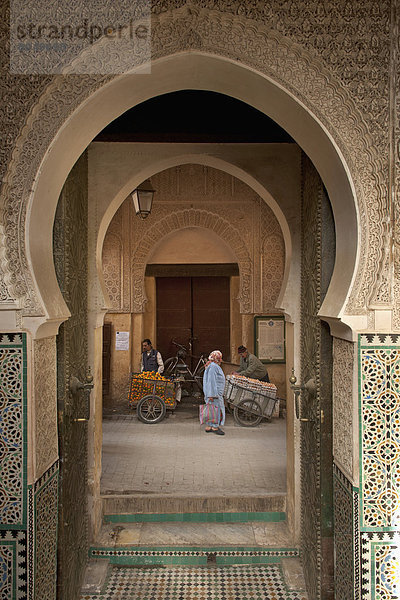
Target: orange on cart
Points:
(152, 394)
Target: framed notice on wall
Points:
(269, 336)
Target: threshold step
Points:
(229, 517)
(118, 503)
(190, 536)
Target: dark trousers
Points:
(265, 378)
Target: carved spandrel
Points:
(297, 46)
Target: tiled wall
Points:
(346, 537)
(13, 467)
(28, 514)
(379, 414)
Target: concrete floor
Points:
(177, 458)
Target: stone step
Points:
(194, 543)
(252, 534)
(130, 504)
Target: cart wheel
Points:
(229, 408)
(199, 377)
(243, 413)
(170, 366)
(151, 409)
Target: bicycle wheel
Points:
(151, 409)
(199, 377)
(170, 366)
(248, 413)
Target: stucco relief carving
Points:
(343, 368)
(113, 269)
(300, 49)
(273, 258)
(212, 194)
(191, 218)
(45, 385)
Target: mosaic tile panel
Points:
(12, 430)
(13, 489)
(46, 517)
(31, 542)
(379, 368)
(243, 582)
(356, 558)
(13, 571)
(7, 571)
(344, 537)
(380, 571)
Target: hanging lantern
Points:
(143, 199)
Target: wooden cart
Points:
(152, 397)
(250, 403)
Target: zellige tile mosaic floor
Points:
(243, 582)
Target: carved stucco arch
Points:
(192, 218)
(64, 121)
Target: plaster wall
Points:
(120, 367)
(191, 246)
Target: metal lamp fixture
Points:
(143, 198)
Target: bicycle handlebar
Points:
(182, 347)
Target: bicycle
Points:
(176, 366)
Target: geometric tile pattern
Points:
(46, 519)
(380, 431)
(356, 546)
(380, 574)
(13, 571)
(13, 466)
(379, 412)
(190, 556)
(344, 536)
(243, 582)
(387, 570)
(12, 430)
(7, 571)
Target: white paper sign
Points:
(122, 340)
(271, 340)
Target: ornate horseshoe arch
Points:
(197, 45)
(192, 218)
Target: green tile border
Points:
(242, 517)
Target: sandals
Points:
(216, 431)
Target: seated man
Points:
(151, 359)
(251, 366)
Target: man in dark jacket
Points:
(151, 359)
(251, 366)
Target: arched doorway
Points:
(219, 75)
(52, 179)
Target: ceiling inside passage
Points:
(194, 116)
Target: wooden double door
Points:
(193, 308)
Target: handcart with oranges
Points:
(152, 395)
